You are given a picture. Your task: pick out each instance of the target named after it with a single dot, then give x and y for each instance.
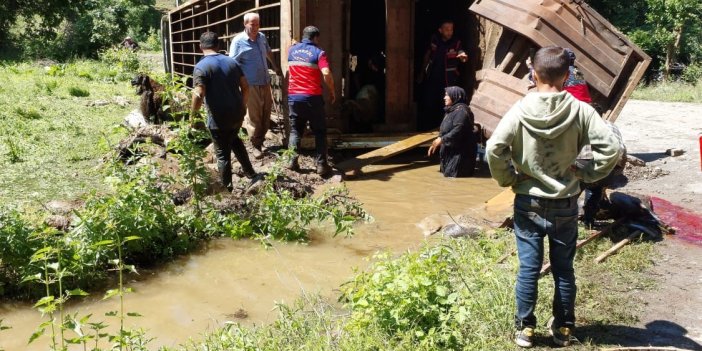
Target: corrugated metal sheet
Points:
(611, 63)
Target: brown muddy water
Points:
(242, 281)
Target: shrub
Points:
(78, 92)
(413, 293)
(692, 73)
(16, 249)
(138, 207)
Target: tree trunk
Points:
(671, 53)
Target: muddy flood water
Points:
(241, 281)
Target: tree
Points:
(65, 28)
(669, 21)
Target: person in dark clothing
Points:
(308, 67)
(219, 82)
(440, 69)
(456, 138)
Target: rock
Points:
(135, 120)
(58, 222)
(635, 161)
(61, 208)
(674, 152)
(429, 226)
(120, 101)
(99, 103)
(454, 230)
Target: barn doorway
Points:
(365, 106)
(428, 17)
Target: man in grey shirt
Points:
(250, 50)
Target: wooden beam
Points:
(383, 153)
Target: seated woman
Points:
(456, 137)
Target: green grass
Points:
(52, 139)
(677, 91)
(408, 308)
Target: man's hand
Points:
(434, 146)
(463, 57)
(332, 97)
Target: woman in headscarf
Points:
(456, 140)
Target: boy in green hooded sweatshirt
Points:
(541, 135)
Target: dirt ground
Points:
(670, 315)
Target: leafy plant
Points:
(125, 61)
(190, 159)
(14, 150)
(274, 212)
(28, 113)
(78, 92)
(411, 294)
(692, 74)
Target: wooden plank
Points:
(386, 152)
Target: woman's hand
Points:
(434, 146)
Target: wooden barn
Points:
(497, 34)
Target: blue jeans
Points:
(534, 219)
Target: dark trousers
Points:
(226, 141)
(313, 111)
(534, 219)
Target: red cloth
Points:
(580, 92)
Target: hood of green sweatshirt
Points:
(547, 115)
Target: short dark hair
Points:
(551, 63)
(445, 21)
(310, 32)
(209, 40)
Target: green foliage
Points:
(69, 28)
(412, 294)
(138, 207)
(124, 61)
(51, 141)
(668, 30)
(675, 91)
(78, 92)
(152, 41)
(275, 212)
(16, 249)
(692, 74)
(14, 150)
(190, 158)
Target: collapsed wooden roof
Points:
(611, 63)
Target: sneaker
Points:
(323, 169)
(561, 335)
(524, 337)
(257, 152)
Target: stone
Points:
(674, 152)
(454, 230)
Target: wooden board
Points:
(383, 153)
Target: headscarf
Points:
(457, 95)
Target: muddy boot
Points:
(257, 152)
(240, 153)
(294, 164)
(323, 169)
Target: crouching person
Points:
(595, 192)
(220, 84)
(541, 135)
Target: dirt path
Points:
(671, 315)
